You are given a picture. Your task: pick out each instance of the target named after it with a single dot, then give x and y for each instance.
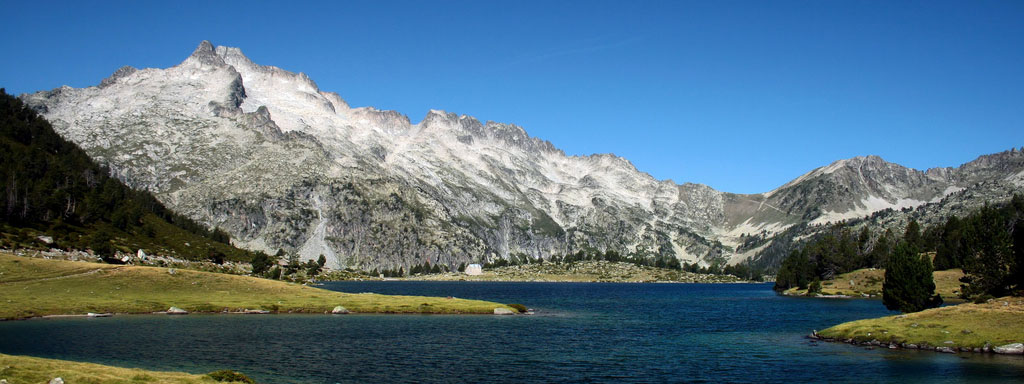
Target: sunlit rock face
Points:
(266, 155)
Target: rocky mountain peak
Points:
(205, 55)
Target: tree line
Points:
(987, 244)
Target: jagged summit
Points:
(280, 164)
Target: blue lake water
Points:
(582, 332)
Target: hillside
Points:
(584, 271)
(57, 197)
(868, 282)
(37, 287)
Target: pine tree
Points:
(908, 285)
(987, 267)
(949, 251)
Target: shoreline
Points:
(328, 313)
(1008, 349)
(996, 326)
(543, 281)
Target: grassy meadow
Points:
(997, 322)
(31, 287)
(869, 281)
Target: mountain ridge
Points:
(371, 189)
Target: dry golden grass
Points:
(869, 282)
(998, 322)
(25, 370)
(36, 287)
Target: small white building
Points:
(474, 269)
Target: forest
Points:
(55, 196)
(988, 245)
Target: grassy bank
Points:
(24, 369)
(32, 287)
(584, 271)
(868, 282)
(996, 323)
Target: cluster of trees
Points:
(834, 252)
(52, 184)
(266, 266)
(988, 245)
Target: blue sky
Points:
(739, 95)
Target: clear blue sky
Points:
(740, 95)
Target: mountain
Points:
(56, 196)
(266, 155)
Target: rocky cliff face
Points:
(278, 163)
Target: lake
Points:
(582, 332)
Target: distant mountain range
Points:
(266, 155)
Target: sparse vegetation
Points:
(994, 323)
(37, 287)
(25, 369)
(585, 271)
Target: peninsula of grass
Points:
(960, 327)
(868, 283)
(31, 287)
(25, 369)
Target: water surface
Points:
(583, 332)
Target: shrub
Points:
(230, 376)
(518, 307)
(815, 287)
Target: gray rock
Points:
(176, 311)
(1010, 349)
(945, 350)
(503, 311)
(57, 380)
(339, 310)
(376, 210)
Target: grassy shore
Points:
(868, 282)
(995, 323)
(31, 287)
(583, 271)
(24, 369)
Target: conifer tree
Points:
(908, 285)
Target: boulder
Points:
(57, 380)
(1010, 349)
(176, 311)
(339, 310)
(503, 311)
(945, 350)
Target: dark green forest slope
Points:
(52, 189)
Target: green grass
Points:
(36, 287)
(24, 369)
(869, 281)
(998, 322)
